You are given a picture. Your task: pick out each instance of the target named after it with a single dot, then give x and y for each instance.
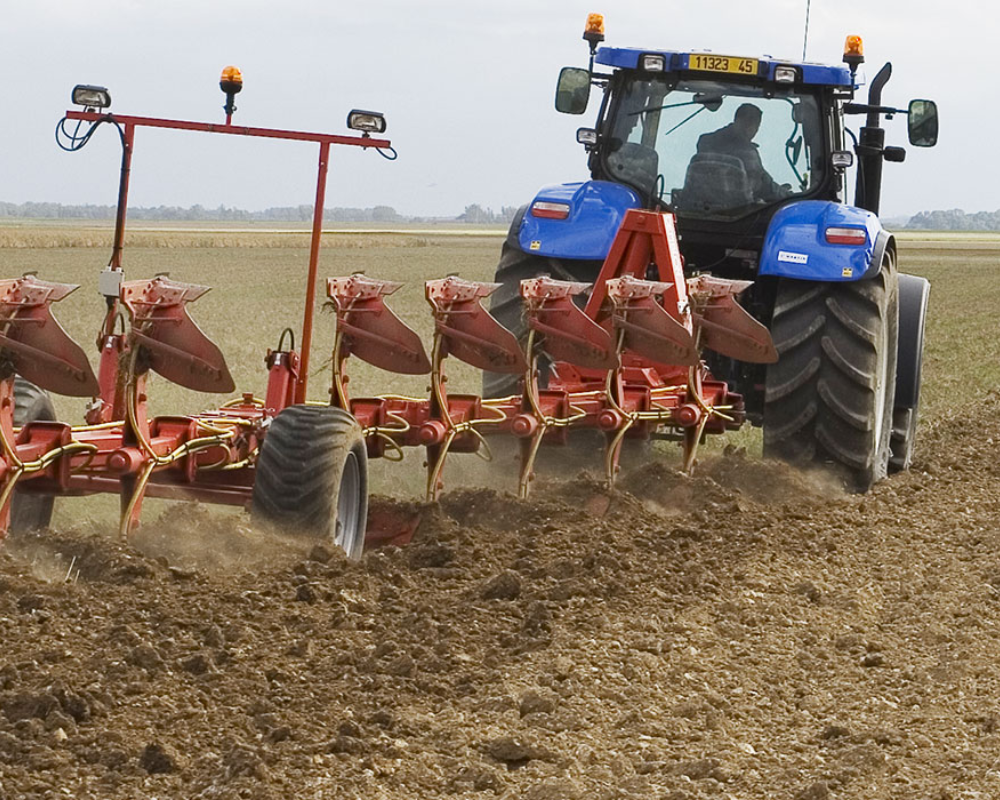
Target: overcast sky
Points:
(466, 87)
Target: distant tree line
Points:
(473, 214)
(477, 215)
(955, 220)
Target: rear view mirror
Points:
(573, 90)
(713, 102)
(922, 123)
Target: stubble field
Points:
(746, 633)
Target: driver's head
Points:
(747, 119)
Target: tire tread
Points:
(30, 511)
(820, 396)
(300, 465)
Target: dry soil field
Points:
(746, 633)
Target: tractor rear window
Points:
(714, 148)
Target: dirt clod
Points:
(515, 751)
(815, 791)
(198, 664)
(157, 760)
(147, 657)
(242, 761)
(537, 703)
(505, 586)
(700, 769)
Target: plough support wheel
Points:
(30, 511)
(312, 476)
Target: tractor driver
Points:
(736, 140)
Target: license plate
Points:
(700, 62)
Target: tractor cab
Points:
(721, 142)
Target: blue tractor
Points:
(751, 155)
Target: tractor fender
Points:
(796, 244)
(596, 210)
(513, 235)
(913, 295)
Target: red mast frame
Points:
(128, 124)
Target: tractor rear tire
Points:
(904, 437)
(913, 297)
(312, 476)
(30, 511)
(506, 306)
(829, 398)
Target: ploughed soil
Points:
(747, 633)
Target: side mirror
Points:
(922, 123)
(573, 90)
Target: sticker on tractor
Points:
(847, 272)
(793, 258)
(535, 245)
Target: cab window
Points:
(714, 148)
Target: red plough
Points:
(626, 363)
(630, 366)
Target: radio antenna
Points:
(805, 36)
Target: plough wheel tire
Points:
(829, 398)
(312, 476)
(30, 511)
(904, 435)
(505, 303)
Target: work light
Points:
(653, 63)
(367, 121)
(91, 96)
(842, 159)
(785, 74)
